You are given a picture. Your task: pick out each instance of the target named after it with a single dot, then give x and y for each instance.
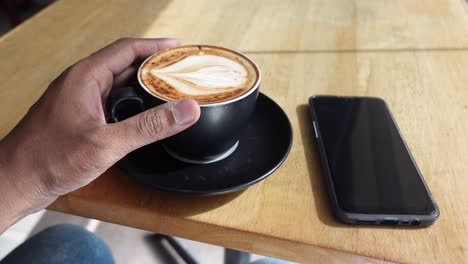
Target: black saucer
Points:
(263, 147)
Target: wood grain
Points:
(71, 29)
(412, 55)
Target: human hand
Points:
(64, 143)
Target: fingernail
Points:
(183, 112)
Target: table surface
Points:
(412, 54)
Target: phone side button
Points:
(315, 129)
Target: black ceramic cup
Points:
(215, 135)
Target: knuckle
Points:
(86, 72)
(82, 68)
(70, 68)
(104, 146)
(124, 41)
(82, 65)
(74, 75)
(153, 123)
(94, 140)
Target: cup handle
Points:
(123, 103)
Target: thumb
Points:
(154, 124)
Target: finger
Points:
(125, 76)
(119, 81)
(153, 125)
(121, 54)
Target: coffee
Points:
(207, 74)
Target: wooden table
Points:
(411, 53)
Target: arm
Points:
(63, 142)
(13, 204)
(17, 191)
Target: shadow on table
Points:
(321, 200)
(184, 205)
(124, 19)
(132, 193)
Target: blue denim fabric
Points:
(72, 244)
(64, 243)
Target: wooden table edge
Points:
(209, 233)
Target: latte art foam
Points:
(207, 74)
(203, 74)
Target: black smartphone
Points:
(369, 172)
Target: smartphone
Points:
(369, 172)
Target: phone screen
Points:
(371, 169)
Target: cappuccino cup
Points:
(224, 82)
